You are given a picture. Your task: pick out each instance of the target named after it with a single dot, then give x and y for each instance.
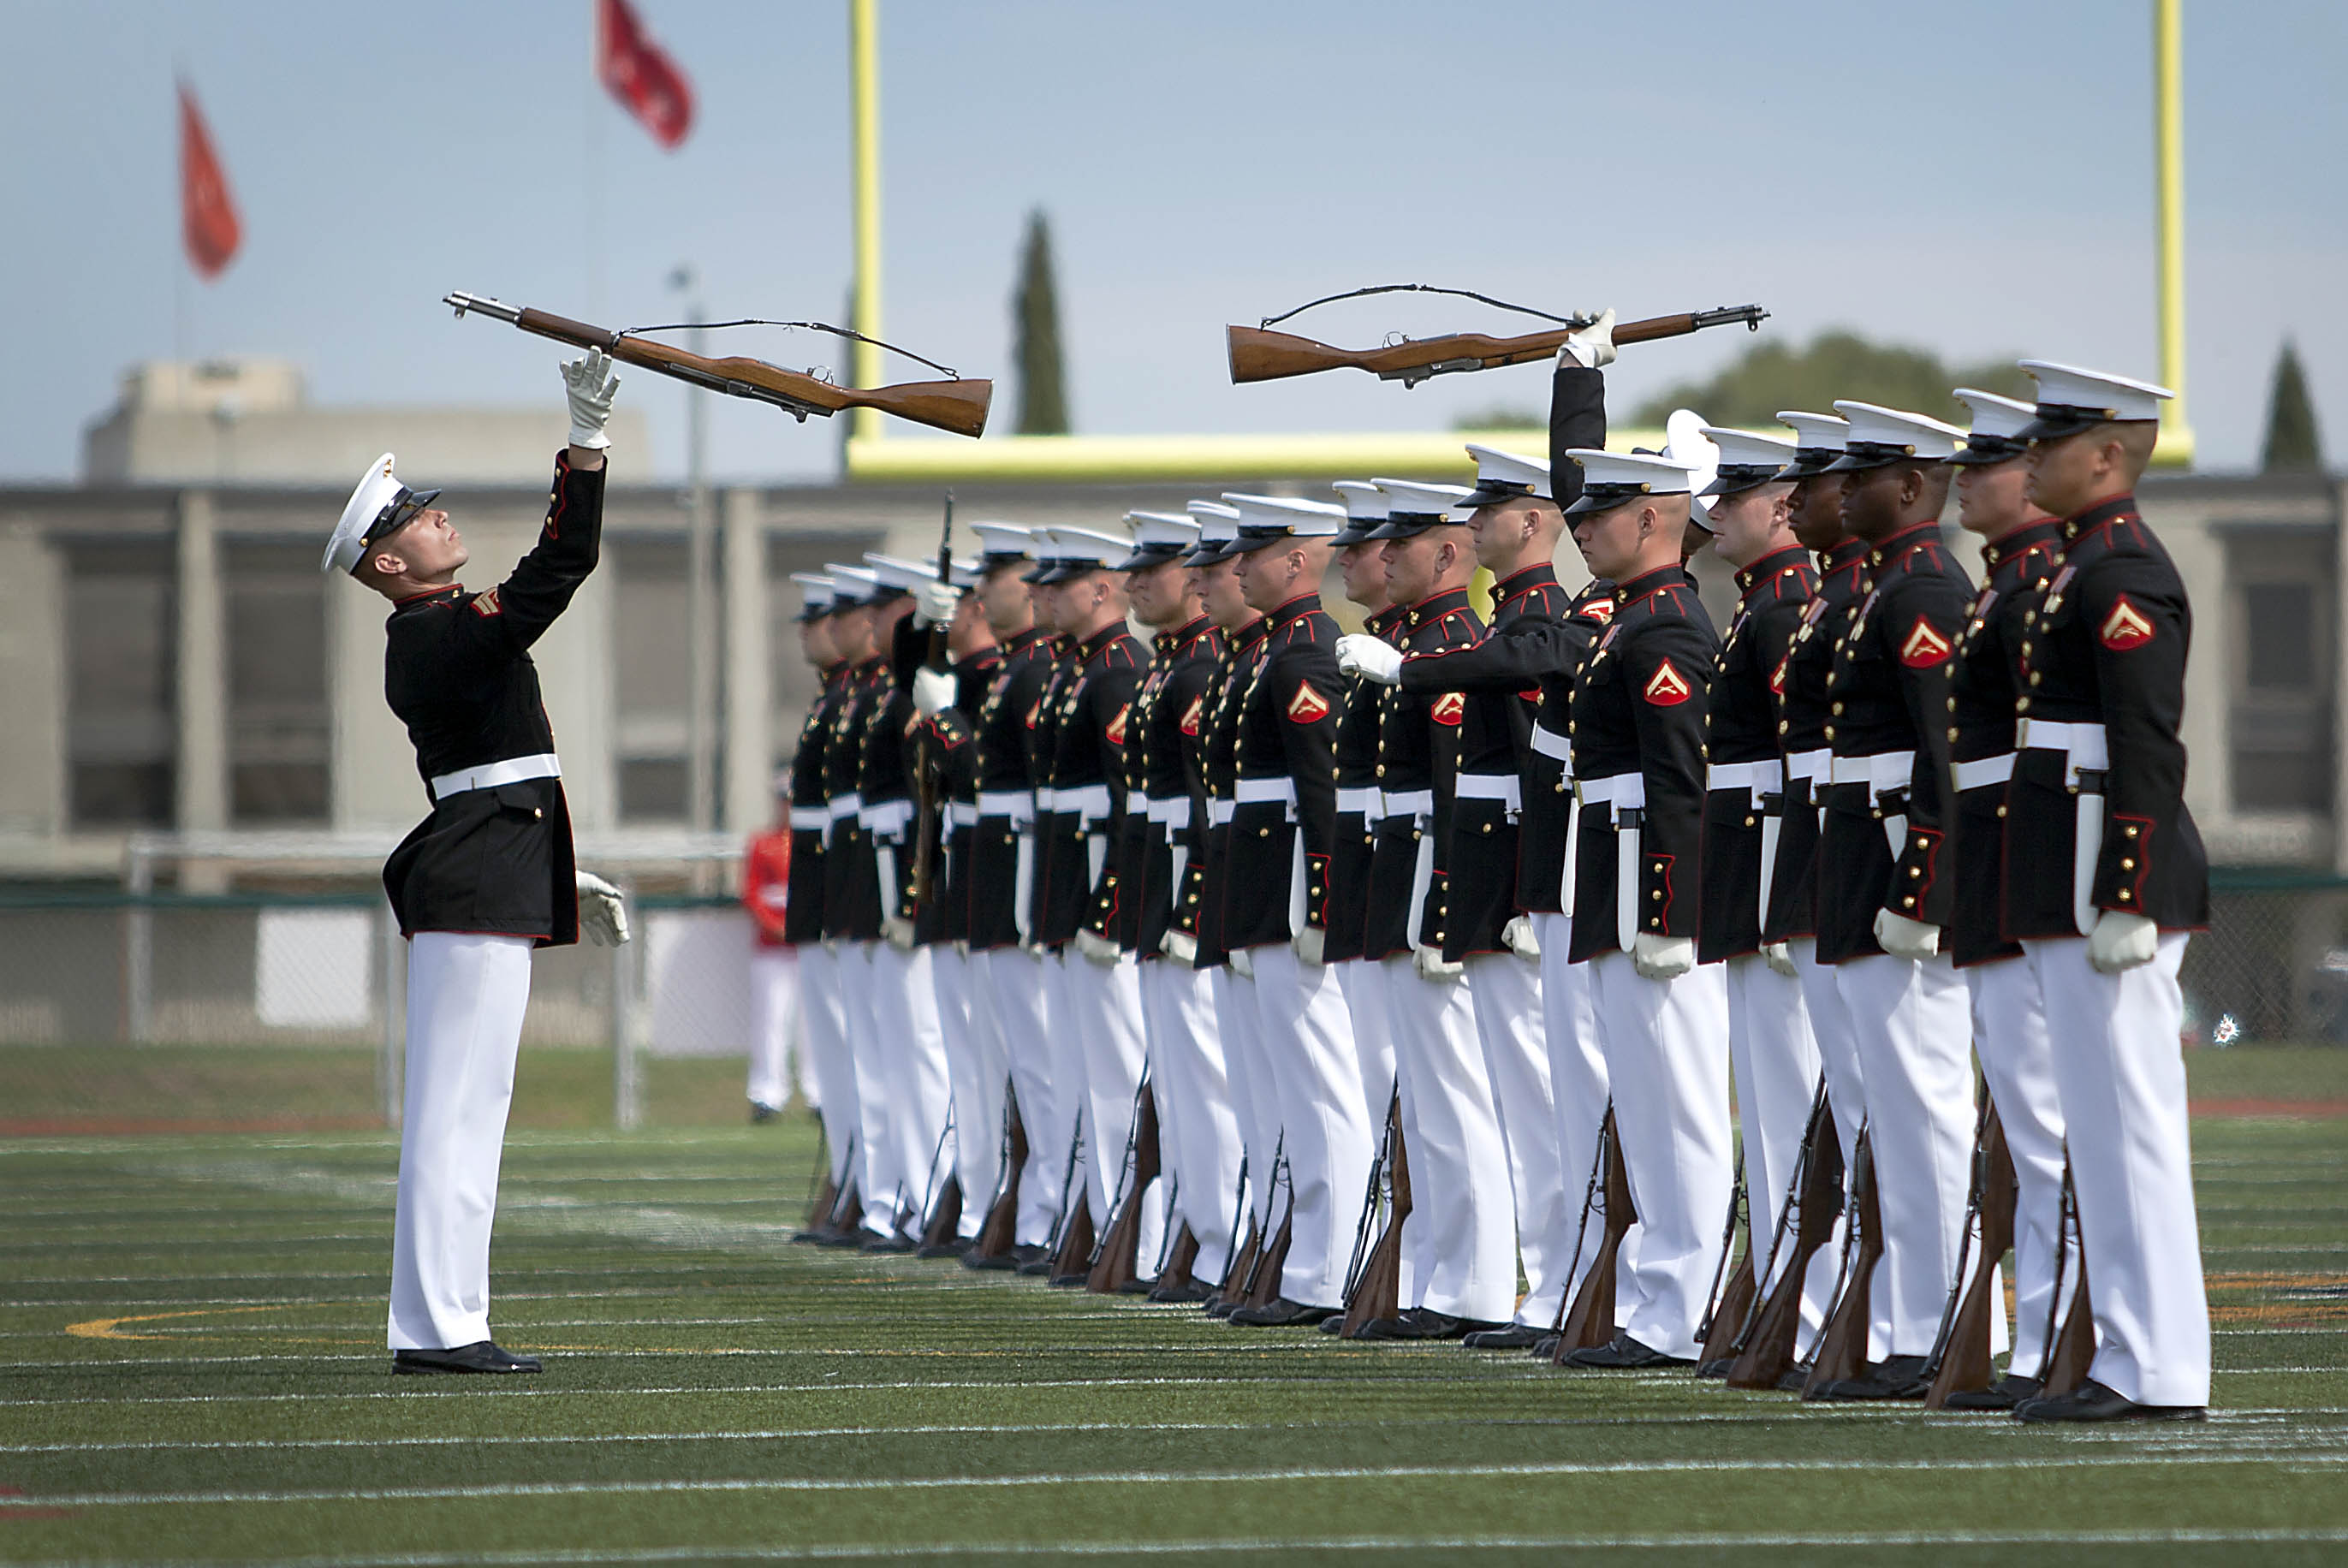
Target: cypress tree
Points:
(1036, 325)
(2293, 444)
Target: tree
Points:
(1838, 362)
(1036, 325)
(2294, 446)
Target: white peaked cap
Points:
(1411, 498)
(815, 594)
(1001, 540)
(1815, 432)
(852, 584)
(1611, 478)
(1917, 435)
(1687, 443)
(1291, 515)
(896, 572)
(380, 504)
(1162, 530)
(1085, 544)
(1749, 448)
(2003, 417)
(1504, 476)
(1364, 502)
(1217, 523)
(2071, 399)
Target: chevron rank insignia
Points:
(1307, 705)
(1923, 647)
(1598, 610)
(1449, 708)
(1193, 716)
(1115, 731)
(1777, 676)
(2125, 628)
(1666, 687)
(486, 606)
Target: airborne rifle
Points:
(1815, 1196)
(1842, 1345)
(1374, 1288)
(1961, 1355)
(1259, 354)
(953, 405)
(1589, 1322)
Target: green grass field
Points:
(193, 1371)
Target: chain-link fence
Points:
(261, 1010)
(2272, 968)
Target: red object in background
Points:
(640, 75)
(207, 215)
(766, 884)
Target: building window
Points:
(279, 732)
(2280, 725)
(121, 660)
(653, 677)
(2280, 620)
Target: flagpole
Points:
(593, 165)
(179, 260)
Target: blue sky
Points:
(1976, 180)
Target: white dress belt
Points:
(843, 806)
(962, 813)
(1408, 802)
(1089, 801)
(1505, 787)
(1172, 812)
(1265, 791)
(1881, 772)
(1763, 778)
(1624, 791)
(1362, 797)
(810, 818)
(1017, 804)
(1810, 765)
(1219, 812)
(1550, 743)
(2084, 744)
(1047, 798)
(490, 775)
(1983, 772)
(885, 817)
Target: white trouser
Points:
(1202, 1136)
(2017, 1060)
(1667, 1057)
(1914, 1028)
(1251, 1098)
(1011, 987)
(1777, 1061)
(877, 1166)
(2122, 1082)
(466, 997)
(823, 1041)
(912, 1047)
(1105, 1000)
(1467, 1261)
(1316, 1079)
(1506, 992)
(975, 1076)
(773, 1023)
(1830, 1027)
(1366, 984)
(1578, 1086)
(1074, 1125)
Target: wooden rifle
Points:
(953, 405)
(1960, 1355)
(1263, 1284)
(1589, 1322)
(1815, 1198)
(998, 1233)
(1725, 1312)
(1373, 1286)
(1117, 1260)
(1843, 1344)
(930, 763)
(2070, 1353)
(1259, 354)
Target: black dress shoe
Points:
(894, 1242)
(991, 1262)
(761, 1112)
(1716, 1368)
(1136, 1287)
(2091, 1401)
(813, 1238)
(1037, 1268)
(1281, 1313)
(1182, 1294)
(1546, 1346)
(1793, 1381)
(1067, 1281)
(1624, 1353)
(1220, 1308)
(1333, 1323)
(2003, 1394)
(1420, 1322)
(481, 1356)
(1893, 1377)
(1507, 1337)
(943, 1250)
(843, 1238)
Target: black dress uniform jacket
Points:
(997, 726)
(851, 886)
(1637, 708)
(1803, 716)
(458, 673)
(2106, 644)
(1095, 706)
(1887, 696)
(1161, 764)
(803, 910)
(1741, 727)
(1983, 685)
(1287, 726)
(885, 779)
(1355, 765)
(1218, 750)
(947, 917)
(1418, 754)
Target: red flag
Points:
(207, 215)
(640, 75)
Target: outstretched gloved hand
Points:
(1661, 957)
(2122, 941)
(1372, 657)
(1518, 934)
(1592, 347)
(933, 692)
(602, 911)
(590, 383)
(933, 603)
(1904, 938)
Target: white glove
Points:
(1592, 347)
(1661, 957)
(2122, 941)
(1241, 964)
(933, 692)
(1432, 966)
(1904, 938)
(602, 911)
(933, 603)
(1100, 949)
(1518, 934)
(898, 931)
(1361, 655)
(1779, 955)
(1309, 942)
(1181, 946)
(590, 382)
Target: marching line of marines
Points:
(1338, 980)
(1243, 945)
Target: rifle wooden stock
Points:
(1735, 1305)
(1119, 1258)
(1073, 1261)
(1180, 1261)
(1965, 1357)
(1378, 1293)
(1263, 1280)
(998, 1233)
(2071, 1352)
(1231, 1289)
(1590, 1320)
(1842, 1344)
(1259, 354)
(1817, 1195)
(945, 1216)
(959, 406)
